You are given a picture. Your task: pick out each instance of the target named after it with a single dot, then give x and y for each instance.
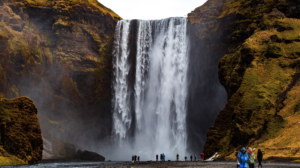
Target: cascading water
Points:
(154, 120)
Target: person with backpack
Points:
(202, 156)
(259, 157)
(243, 158)
(177, 156)
(251, 158)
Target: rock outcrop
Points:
(21, 139)
(89, 156)
(59, 54)
(260, 72)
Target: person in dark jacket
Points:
(259, 157)
(185, 158)
(138, 158)
(156, 157)
(177, 157)
(191, 157)
(135, 158)
(161, 157)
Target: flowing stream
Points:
(150, 87)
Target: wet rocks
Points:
(88, 156)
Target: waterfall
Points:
(121, 108)
(149, 107)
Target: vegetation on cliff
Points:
(260, 72)
(21, 138)
(58, 53)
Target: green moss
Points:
(274, 50)
(2, 76)
(20, 132)
(297, 107)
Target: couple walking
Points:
(243, 158)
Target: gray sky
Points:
(151, 9)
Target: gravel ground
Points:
(150, 165)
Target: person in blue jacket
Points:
(243, 158)
(164, 157)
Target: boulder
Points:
(21, 137)
(89, 156)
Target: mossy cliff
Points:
(260, 72)
(58, 53)
(21, 138)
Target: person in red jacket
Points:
(202, 156)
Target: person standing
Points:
(164, 157)
(177, 156)
(135, 158)
(259, 157)
(251, 158)
(138, 158)
(156, 157)
(161, 158)
(202, 156)
(191, 157)
(243, 158)
(185, 158)
(195, 157)
(132, 157)
(237, 158)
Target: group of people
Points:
(162, 157)
(244, 158)
(134, 158)
(195, 157)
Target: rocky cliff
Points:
(59, 54)
(260, 72)
(21, 139)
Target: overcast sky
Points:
(152, 9)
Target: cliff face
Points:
(259, 70)
(21, 139)
(58, 53)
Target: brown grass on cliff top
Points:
(70, 3)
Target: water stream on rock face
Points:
(150, 87)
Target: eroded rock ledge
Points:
(21, 139)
